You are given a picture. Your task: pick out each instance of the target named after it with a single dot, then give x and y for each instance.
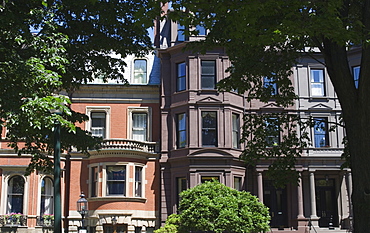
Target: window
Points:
(270, 84)
(236, 131)
(317, 82)
(209, 128)
(181, 77)
(202, 31)
(181, 130)
(139, 126)
(94, 182)
(180, 32)
(47, 201)
(272, 129)
(116, 180)
(98, 121)
(140, 71)
(209, 178)
(208, 74)
(321, 134)
(15, 194)
(238, 183)
(356, 75)
(181, 186)
(138, 181)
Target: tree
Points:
(214, 207)
(48, 47)
(265, 38)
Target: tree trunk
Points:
(355, 105)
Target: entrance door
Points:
(276, 200)
(326, 203)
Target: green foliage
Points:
(214, 207)
(171, 226)
(48, 47)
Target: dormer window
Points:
(140, 71)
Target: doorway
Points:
(326, 202)
(276, 200)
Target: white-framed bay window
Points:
(99, 121)
(119, 180)
(139, 123)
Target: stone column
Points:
(314, 218)
(260, 186)
(300, 199)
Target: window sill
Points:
(319, 98)
(117, 198)
(202, 91)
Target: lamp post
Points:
(82, 209)
(57, 198)
(114, 222)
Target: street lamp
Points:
(57, 198)
(82, 208)
(114, 222)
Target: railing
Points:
(45, 222)
(13, 220)
(128, 144)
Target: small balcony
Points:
(10, 220)
(128, 144)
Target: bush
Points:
(214, 207)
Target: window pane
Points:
(236, 131)
(94, 181)
(15, 194)
(139, 126)
(209, 178)
(209, 129)
(269, 83)
(116, 180)
(202, 30)
(321, 138)
(208, 74)
(138, 181)
(140, 71)
(181, 77)
(273, 131)
(238, 183)
(317, 83)
(180, 32)
(356, 75)
(98, 120)
(181, 130)
(47, 203)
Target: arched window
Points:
(47, 203)
(15, 194)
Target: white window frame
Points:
(8, 173)
(143, 180)
(130, 112)
(42, 177)
(324, 83)
(98, 181)
(132, 80)
(105, 176)
(106, 109)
